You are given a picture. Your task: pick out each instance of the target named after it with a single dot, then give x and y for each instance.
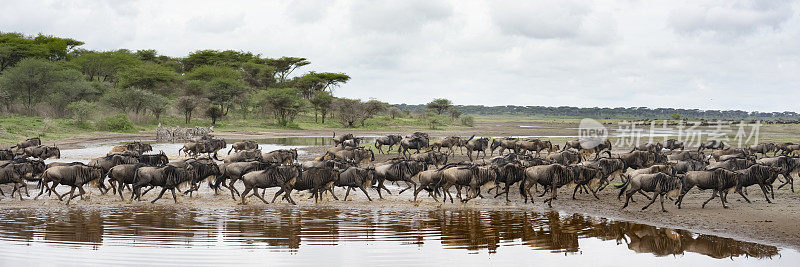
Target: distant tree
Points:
(33, 80)
(258, 75)
(348, 111)
(15, 47)
(105, 66)
(227, 58)
(187, 105)
(147, 55)
(314, 82)
(676, 116)
(284, 66)
(321, 101)
(130, 99)
(454, 114)
(372, 108)
(82, 110)
(440, 105)
(394, 112)
(152, 77)
(158, 105)
(285, 103)
(208, 73)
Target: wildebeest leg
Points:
(163, 190)
(289, 195)
(627, 198)
(120, 192)
(80, 194)
(175, 198)
(347, 193)
(71, 192)
(276, 194)
(652, 201)
(446, 189)
(640, 192)
(408, 184)
(739, 190)
(545, 191)
(713, 195)
(261, 196)
(247, 190)
(1, 192)
(662, 203)
(16, 187)
(233, 189)
(575, 191)
(764, 190)
(148, 190)
(330, 188)
(365, 193)
(553, 195)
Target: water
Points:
(306, 235)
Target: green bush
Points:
(467, 120)
(116, 123)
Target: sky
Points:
(703, 54)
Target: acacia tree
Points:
(321, 102)
(370, 109)
(285, 103)
(348, 111)
(284, 66)
(187, 105)
(440, 105)
(14, 47)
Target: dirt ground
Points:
(775, 224)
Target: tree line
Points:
(52, 76)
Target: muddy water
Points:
(302, 236)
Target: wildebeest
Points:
(167, 177)
(658, 183)
(203, 169)
(283, 176)
(428, 180)
(317, 181)
(357, 155)
(281, 156)
(243, 145)
(341, 138)
(683, 155)
(761, 175)
(108, 162)
(450, 142)
(733, 164)
(638, 159)
(209, 146)
(478, 145)
(786, 148)
(503, 144)
(430, 157)
(74, 176)
(762, 148)
(785, 166)
(472, 177)
(534, 145)
(6, 154)
(352, 143)
(355, 177)
(583, 149)
(736, 152)
(718, 180)
(234, 171)
(509, 174)
(673, 144)
(417, 141)
(401, 170)
(14, 173)
(42, 152)
(711, 144)
(136, 146)
(36, 141)
(244, 155)
(154, 160)
(551, 176)
(610, 167)
(564, 157)
(586, 174)
(123, 174)
(389, 140)
(684, 166)
(649, 147)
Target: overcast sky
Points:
(687, 54)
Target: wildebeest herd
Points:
(667, 170)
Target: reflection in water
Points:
(292, 229)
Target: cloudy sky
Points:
(687, 54)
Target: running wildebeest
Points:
(416, 141)
(673, 144)
(341, 138)
(243, 145)
(761, 175)
(42, 152)
(74, 176)
(711, 144)
(154, 160)
(357, 155)
(401, 170)
(472, 177)
(234, 171)
(552, 177)
(281, 156)
(658, 183)
(718, 180)
(450, 142)
(355, 177)
(283, 176)
(503, 144)
(430, 157)
(478, 145)
(244, 155)
(389, 140)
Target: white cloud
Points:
(606, 53)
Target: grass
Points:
(14, 128)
